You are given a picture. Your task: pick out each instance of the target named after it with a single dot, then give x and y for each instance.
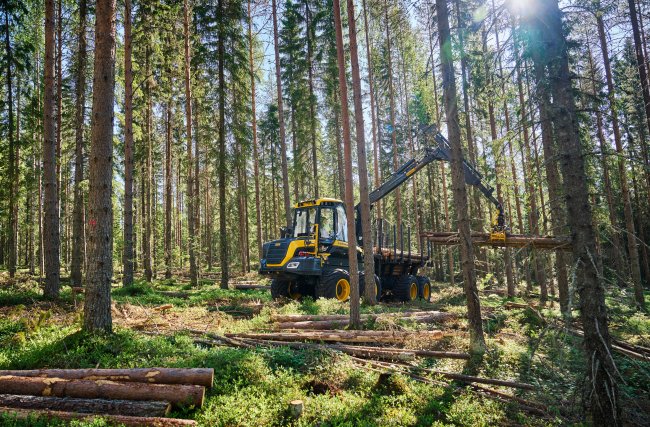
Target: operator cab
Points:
(325, 217)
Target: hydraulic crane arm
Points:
(442, 151)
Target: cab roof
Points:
(316, 202)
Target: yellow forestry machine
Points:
(311, 257)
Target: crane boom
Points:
(442, 151)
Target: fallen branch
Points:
(343, 336)
(433, 315)
(196, 376)
(137, 408)
(103, 389)
(112, 419)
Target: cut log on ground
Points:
(112, 419)
(245, 286)
(439, 316)
(189, 376)
(134, 408)
(343, 336)
(103, 389)
(512, 240)
(335, 324)
(368, 352)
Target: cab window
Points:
(326, 226)
(341, 224)
(304, 221)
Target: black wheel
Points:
(362, 285)
(406, 288)
(424, 287)
(282, 288)
(334, 284)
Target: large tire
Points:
(279, 288)
(424, 287)
(334, 284)
(282, 288)
(406, 288)
(362, 286)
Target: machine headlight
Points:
(293, 265)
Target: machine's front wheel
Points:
(280, 288)
(334, 284)
(406, 288)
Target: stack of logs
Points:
(512, 240)
(130, 397)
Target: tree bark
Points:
(147, 242)
(51, 235)
(130, 421)
(283, 144)
(97, 303)
(393, 132)
(93, 406)
(77, 215)
(601, 385)
(477, 341)
(168, 184)
(364, 203)
(12, 158)
(258, 206)
(223, 237)
(195, 376)
(191, 196)
(373, 117)
(128, 255)
(103, 389)
(347, 159)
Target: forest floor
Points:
(252, 387)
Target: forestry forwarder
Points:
(311, 258)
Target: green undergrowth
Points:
(253, 387)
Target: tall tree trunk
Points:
(312, 98)
(477, 341)
(258, 207)
(128, 254)
(339, 154)
(51, 233)
(640, 60)
(533, 217)
(364, 203)
(147, 242)
(223, 237)
(59, 97)
(373, 117)
(498, 166)
(13, 170)
(393, 132)
(191, 197)
(632, 249)
(97, 303)
(558, 218)
(475, 207)
(283, 144)
(77, 215)
(355, 318)
(168, 188)
(602, 387)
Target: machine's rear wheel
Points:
(406, 288)
(282, 288)
(362, 286)
(424, 287)
(334, 284)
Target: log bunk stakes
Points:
(131, 397)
